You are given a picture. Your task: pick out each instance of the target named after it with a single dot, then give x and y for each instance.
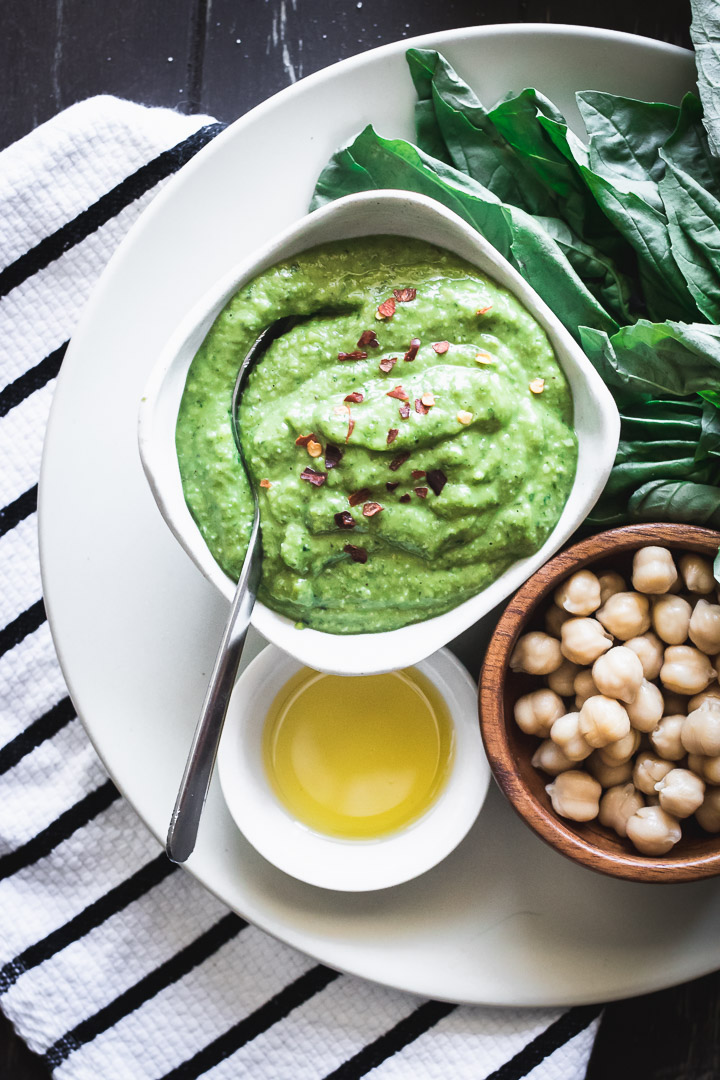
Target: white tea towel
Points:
(115, 964)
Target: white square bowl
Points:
(596, 422)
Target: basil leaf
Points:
(662, 500)
(688, 149)
(694, 229)
(705, 34)
(709, 441)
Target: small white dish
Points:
(352, 865)
(374, 213)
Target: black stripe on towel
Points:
(397, 1038)
(26, 623)
(59, 830)
(16, 511)
(565, 1028)
(106, 207)
(45, 727)
(277, 1008)
(113, 901)
(197, 952)
(33, 379)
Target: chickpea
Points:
(653, 570)
(566, 734)
(536, 712)
(674, 703)
(697, 573)
(686, 670)
(671, 619)
(583, 640)
(610, 583)
(708, 815)
(575, 795)
(562, 680)
(706, 767)
(609, 775)
(603, 720)
(579, 594)
(681, 792)
(618, 673)
(647, 708)
(649, 649)
(622, 750)
(584, 687)
(617, 805)
(554, 619)
(666, 740)
(550, 758)
(536, 653)
(705, 627)
(652, 830)
(701, 730)
(649, 771)
(625, 615)
(712, 692)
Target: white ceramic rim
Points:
(596, 422)
(349, 865)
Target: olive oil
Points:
(358, 757)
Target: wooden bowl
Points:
(509, 750)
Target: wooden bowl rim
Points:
(553, 830)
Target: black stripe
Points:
(408, 1030)
(59, 830)
(106, 207)
(277, 1008)
(33, 379)
(144, 879)
(36, 733)
(15, 512)
(551, 1039)
(26, 623)
(197, 952)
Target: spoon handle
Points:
(201, 759)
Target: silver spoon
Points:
(194, 785)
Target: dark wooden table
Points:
(222, 57)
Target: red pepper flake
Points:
(388, 363)
(398, 461)
(386, 310)
(398, 393)
(333, 456)
(357, 355)
(358, 496)
(316, 478)
(484, 310)
(421, 493)
(303, 440)
(392, 484)
(441, 347)
(413, 350)
(357, 554)
(403, 296)
(392, 435)
(417, 474)
(404, 411)
(357, 396)
(404, 498)
(368, 337)
(265, 484)
(345, 520)
(370, 509)
(437, 480)
(351, 428)
(420, 408)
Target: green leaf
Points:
(716, 567)
(709, 441)
(705, 33)
(688, 148)
(662, 500)
(694, 228)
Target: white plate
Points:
(503, 920)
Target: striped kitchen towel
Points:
(115, 964)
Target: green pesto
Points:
(509, 471)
